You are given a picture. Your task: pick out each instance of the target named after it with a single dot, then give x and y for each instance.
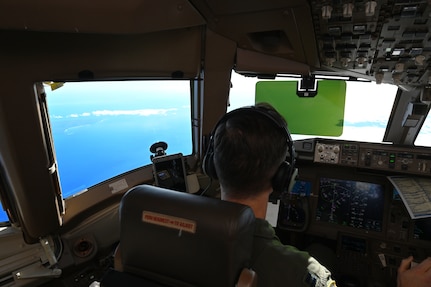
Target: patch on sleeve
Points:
(318, 275)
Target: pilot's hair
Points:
(248, 149)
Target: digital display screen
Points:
(302, 188)
(351, 203)
(293, 211)
(169, 172)
(422, 229)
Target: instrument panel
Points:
(346, 198)
(374, 156)
(385, 40)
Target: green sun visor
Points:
(321, 114)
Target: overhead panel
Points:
(386, 41)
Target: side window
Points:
(4, 218)
(103, 129)
(3, 215)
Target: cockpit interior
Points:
(99, 97)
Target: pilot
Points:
(247, 154)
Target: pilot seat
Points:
(171, 238)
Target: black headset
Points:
(285, 176)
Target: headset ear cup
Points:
(281, 179)
(208, 165)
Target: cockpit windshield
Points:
(367, 107)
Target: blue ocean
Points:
(95, 151)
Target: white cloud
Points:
(141, 112)
(72, 130)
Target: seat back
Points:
(181, 239)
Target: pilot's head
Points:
(250, 145)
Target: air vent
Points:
(270, 41)
(83, 247)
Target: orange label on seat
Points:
(169, 221)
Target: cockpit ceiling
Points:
(271, 27)
(278, 28)
(98, 16)
(386, 41)
(127, 16)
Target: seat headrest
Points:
(183, 239)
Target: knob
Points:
(370, 8)
(348, 10)
(326, 12)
